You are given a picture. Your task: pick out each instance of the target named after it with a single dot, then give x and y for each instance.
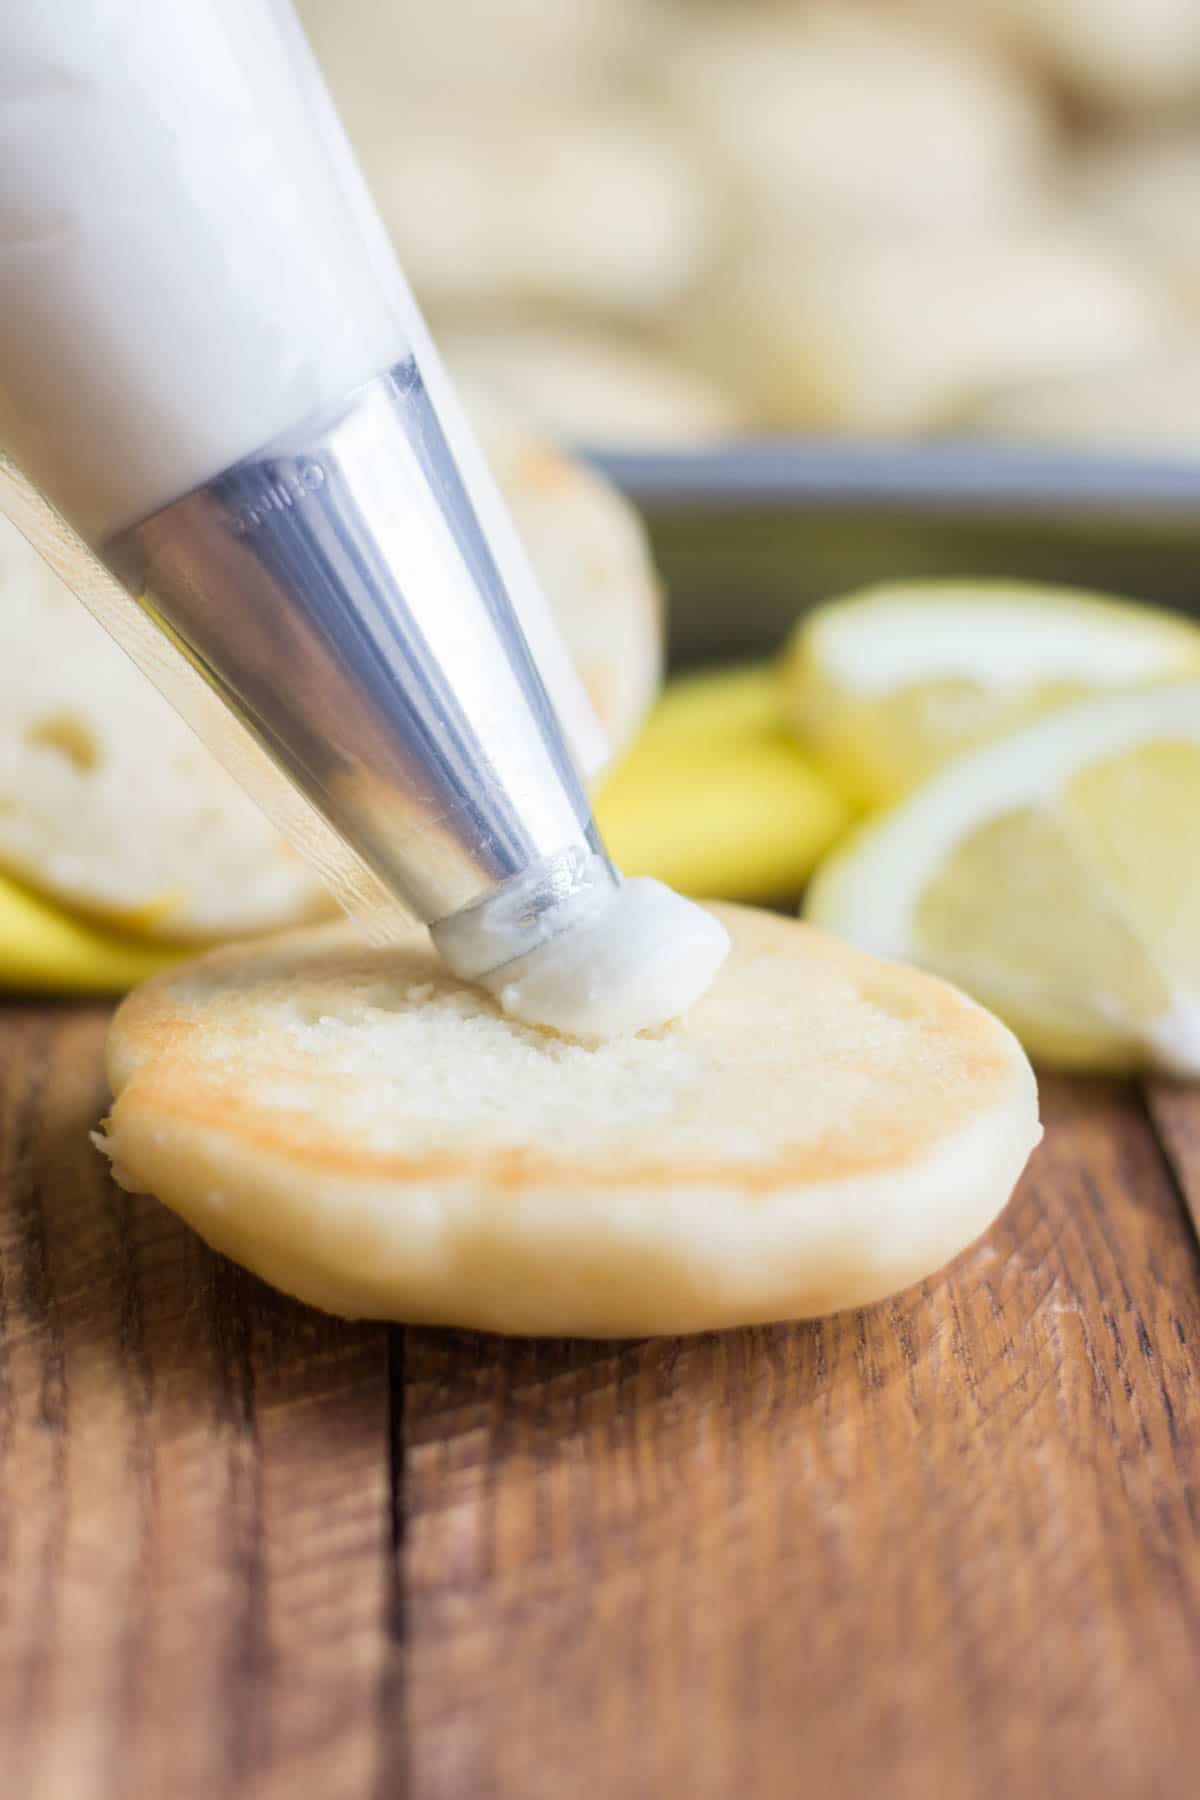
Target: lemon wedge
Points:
(715, 797)
(1054, 874)
(889, 683)
(45, 950)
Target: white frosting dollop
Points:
(643, 960)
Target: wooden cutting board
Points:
(949, 1547)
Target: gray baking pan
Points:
(749, 536)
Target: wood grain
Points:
(194, 1488)
(1174, 1108)
(947, 1547)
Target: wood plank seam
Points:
(393, 1763)
(1172, 1158)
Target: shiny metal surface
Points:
(551, 897)
(337, 592)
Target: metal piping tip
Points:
(551, 897)
(337, 592)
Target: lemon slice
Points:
(45, 950)
(1055, 875)
(888, 684)
(716, 797)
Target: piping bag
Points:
(226, 427)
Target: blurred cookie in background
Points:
(393, 51)
(587, 386)
(598, 205)
(889, 335)
(512, 155)
(1145, 405)
(655, 223)
(591, 554)
(1145, 190)
(1130, 56)
(843, 119)
(108, 802)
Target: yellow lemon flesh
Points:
(889, 684)
(716, 797)
(1054, 874)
